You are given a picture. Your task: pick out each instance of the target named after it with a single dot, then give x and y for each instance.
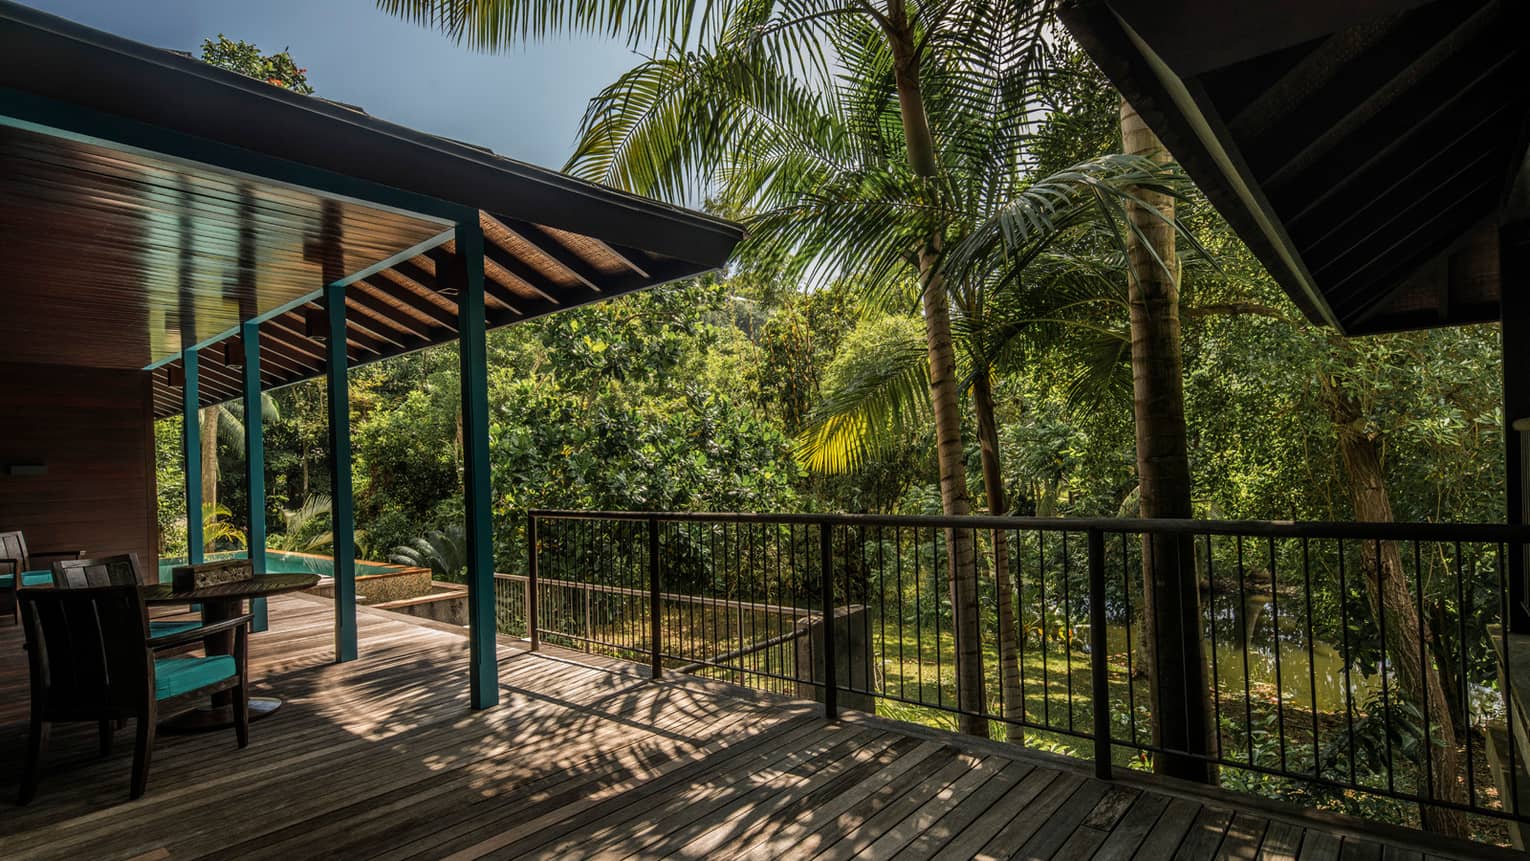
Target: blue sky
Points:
(524, 103)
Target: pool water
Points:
(277, 560)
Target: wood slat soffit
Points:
(1358, 148)
(531, 270)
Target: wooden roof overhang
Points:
(530, 270)
(150, 203)
(1360, 148)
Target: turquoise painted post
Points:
(483, 670)
(342, 507)
(254, 462)
(191, 448)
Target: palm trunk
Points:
(1386, 588)
(961, 571)
(210, 419)
(1177, 675)
(993, 488)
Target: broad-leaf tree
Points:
(854, 137)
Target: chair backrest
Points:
(119, 570)
(86, 649)
(13, 553)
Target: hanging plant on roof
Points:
(278, 70)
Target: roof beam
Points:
(414, 272)
(280, 331)
(294, 321)
(498, 292)
(276, 343)
(354, 336)
(666, 271)
(393, 290)
(1315, 71)
(1431, 61)
(214, 372)
(1375, 183)
(532, 278)
(625, 255)
(281, 362)
(538, 237)
(1399, 205)
(379, 326)
(365, 299)
(1424, 241)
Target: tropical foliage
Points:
(801, 378)
(278, 69)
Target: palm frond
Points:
(877, 397)
(493, 25)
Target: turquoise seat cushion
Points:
(161, 629)
(28, 578)
(176, 676)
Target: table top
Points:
(258, 586)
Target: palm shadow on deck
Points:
(584, 757)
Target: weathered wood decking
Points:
(586, 758)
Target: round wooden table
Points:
(221, 602)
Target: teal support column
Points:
(254, 462)
(342, 506)
(191, 447)
(483, 672)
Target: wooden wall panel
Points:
(94, 431)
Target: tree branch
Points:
(1234, 309)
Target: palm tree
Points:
(306, 529)
(224, 423)
(1010, 294)
(444, 552)
(843, 131)
(1176, 655)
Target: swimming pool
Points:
(277, 560)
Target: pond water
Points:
(1299, 678)
(277, 560)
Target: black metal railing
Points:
(1340, 658)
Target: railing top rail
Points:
(1357, 531)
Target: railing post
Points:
(654, 610)
(531, 579)
(826, 577)
(1098, 646)
(589, 630)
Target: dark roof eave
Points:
(52, 58)
(1145, 82)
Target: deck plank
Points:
(586, 757)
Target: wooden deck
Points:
(586, 758)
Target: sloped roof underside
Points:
(150, 202)
(1364, 150)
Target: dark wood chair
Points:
(91, 659)
(121, 569)
(16, 571)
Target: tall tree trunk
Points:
(210, 419)
(1386, 588)
(955, 500)
(993, 488)
(1181, 702)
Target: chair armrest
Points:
(15, 565)
(199, 633)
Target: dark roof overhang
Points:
(151, 202)
(1365, 151)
